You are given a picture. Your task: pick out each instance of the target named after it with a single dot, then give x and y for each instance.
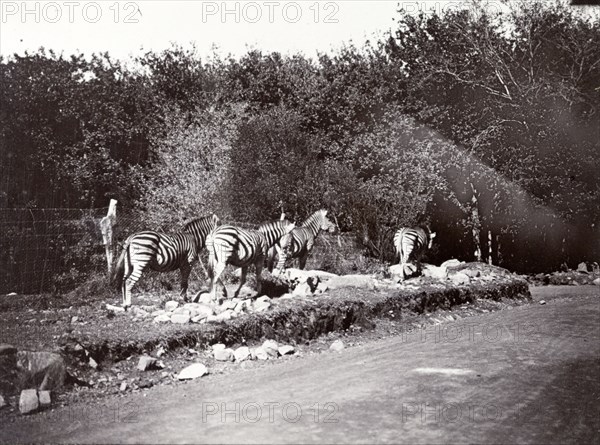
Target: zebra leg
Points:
(302, 261)
(217, 269)
(259, 268)
(130, 281)
(185, 269)
(242, 280)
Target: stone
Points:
(212, 318)
(93, 363)
(44, 398)
(358, 281)
(271, 348)
(224, 355)
(582, 267)
(193, 371)
(471, 273)
(242, 353)
(158, 312)
(337, 346)
(28, 401)
(162, 318)
(146, 363)
(180, 318)
(321, 288)
(262, 304)
(139, 312)
(302, 290)
(451, 263)
(3, 402)
(171, 305)
(182, 310)
(286, 349)
(74, 319)
(6, 349)
(597, 281)
(228, 304)
(44, 370)
(110, 307)
(218, 346)
(542, 301)
(243, 305)
(226, 315)
(123, 386)
(260, 354)
(438, 273)
(459, 278)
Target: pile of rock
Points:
(270, 349)
(586, 273)
(32, 373)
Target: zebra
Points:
(300, 241)
(241, 248)
(163, 253)
(411, 243)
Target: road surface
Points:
(530, 374)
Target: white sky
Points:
(68, 26)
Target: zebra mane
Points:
(187, 224)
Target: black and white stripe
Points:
(300, 241)
(411, 243)
(241, 248)
(163, 253)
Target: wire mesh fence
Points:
(57, 250)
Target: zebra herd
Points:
(228, 244)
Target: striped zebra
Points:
(241, 248)
(163, 253)
(300, 241)
(411, 244)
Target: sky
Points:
(126, 28)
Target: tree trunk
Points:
(475, 225)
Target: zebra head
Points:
(326, 224)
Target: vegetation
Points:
(478, 124)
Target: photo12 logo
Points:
(269, 12)
(430, 7)
(69, 12)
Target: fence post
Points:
(106, 225)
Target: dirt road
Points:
(530, 374)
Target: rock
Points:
(139, 312)
(180, 318)
(171, 305)
(471, 273)
(438, 273)
(3, 402)
(182, 310)
(198, 319)
(212, 318)
(162, 318)
(302, 290)
(158, 312)
(321, 288)
(44, 398)
(6, 349)
(459, 278)
(271, 348)
(203, 310)
(262, 304)
(224, 355)
(123, 386)
(582, 267)
(337, 346)
(45, 370)
(74, 319)
(260, 354)
(359, 281)
(397, 272)
(286, 349)
(228, 304)
(218, 347)
(193, 371)
(243, 305)
(93, 363)
(451, 263)
(542, 301)
(242, 353)
(146, 363)
(28, 401)
(596, 281)
(112, 308)
(224, 316)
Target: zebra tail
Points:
(118, 273)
